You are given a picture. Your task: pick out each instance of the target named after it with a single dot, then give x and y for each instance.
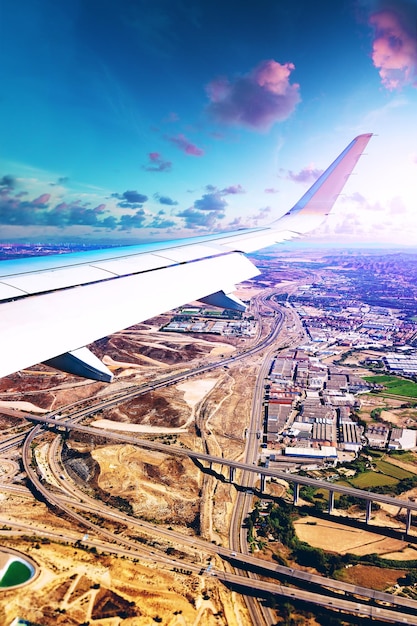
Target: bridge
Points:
(65, 425)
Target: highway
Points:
(211, 460)
(77, 499)
(70, 498)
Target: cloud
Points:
(16, 210)
(42, 211)
(250, 221)
(271, 190)
(165, 200)
(394, 49)
(157, 163)
(233, 189)
(256, 100)
(159, 223)
(207, 211)
(185, 145)
(8, 181)
(42, 201)
(308, 174)
(130, 199)
(134, 196)
(127, 222)
(211, 202)
(201, 220)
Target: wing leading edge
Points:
(52, 307)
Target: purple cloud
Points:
(394, 49)
(185, 145)
(42, 212)
(165, 200)
(200, 219)
(130, 199)
(211, 202)
(134, 196)
(233, 189)
(127, 222)
(157, 163)
(256, 100)
(308, 174)
(271, 190)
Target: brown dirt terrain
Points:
(157, 408)
(76, 587)
(371, 577)
(158, 487)
(334, 537)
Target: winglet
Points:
(317, 202)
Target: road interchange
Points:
(248, 472)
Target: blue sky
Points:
(129, 120)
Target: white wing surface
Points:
(52, 307)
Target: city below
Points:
(254, 467)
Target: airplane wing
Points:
(52, 307)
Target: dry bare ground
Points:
(75, 587)
(209, 413)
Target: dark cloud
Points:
(127, 222)
(8, 181)
(185, 145)
(206, 212)
(256, 100)
(17, 210)
(157, 163)
(199, 219)
(165, 200)
(211, 202)
(134, 196)
(42, 212)
(130, 199)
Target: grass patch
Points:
(395, 385)
(392, 470)
(372, 479)
(407, 457)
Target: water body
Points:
(16, 572)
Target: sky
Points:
(124, 121)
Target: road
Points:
(70, 498)
(211, 460)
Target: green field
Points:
(372, 479)
(392, 470)
(395, 385)
(407, 457)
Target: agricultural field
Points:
(392, 470)
(394, 385)
(370, 479)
